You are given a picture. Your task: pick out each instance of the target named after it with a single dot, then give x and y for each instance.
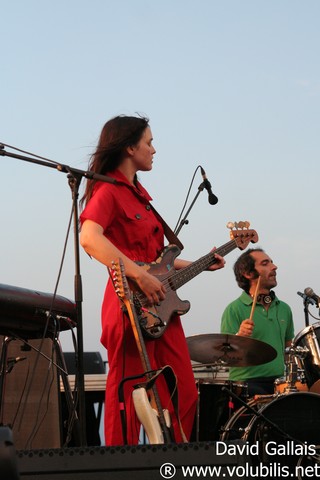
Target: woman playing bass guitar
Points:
(118, 221)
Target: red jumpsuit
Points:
(128, 222)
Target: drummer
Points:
(259, 314)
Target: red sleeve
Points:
(100, 208)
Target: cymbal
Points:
(229, 350)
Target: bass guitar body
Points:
(154, 319)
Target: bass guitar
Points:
(154, 319)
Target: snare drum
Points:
(215, 407)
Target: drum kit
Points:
(224, 410)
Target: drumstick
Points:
(256, 293)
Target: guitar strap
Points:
(170, 235)
(171, 381)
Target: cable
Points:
(186, 200)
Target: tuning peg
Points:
(238, 225)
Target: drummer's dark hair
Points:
(245, 264)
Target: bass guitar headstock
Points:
(119, 280)
(240, 232)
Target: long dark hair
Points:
(245, 265)
(116, 135)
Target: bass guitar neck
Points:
(154, 320)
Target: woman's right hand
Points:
(151, 286)
(99, 247)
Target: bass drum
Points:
(296, 414)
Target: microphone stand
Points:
(184, 221)
(74, 180)
(306, 312)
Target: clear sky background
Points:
(231, 85)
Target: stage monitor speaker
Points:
(30, 404)
(94, 400)
(142, 462)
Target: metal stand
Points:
(184, 221)
(74, 178)
(295, 359)
(306, 312)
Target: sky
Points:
(233, 86)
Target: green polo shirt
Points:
(273, 326)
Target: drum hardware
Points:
(292, 381)
(210, 371)
(213, 366)
(282, 386)
(230, 350)
(298, 351)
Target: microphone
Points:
(306, 298)
(207, 185)
(310, 293)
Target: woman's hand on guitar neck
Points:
(179, 263)
(220, 261)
